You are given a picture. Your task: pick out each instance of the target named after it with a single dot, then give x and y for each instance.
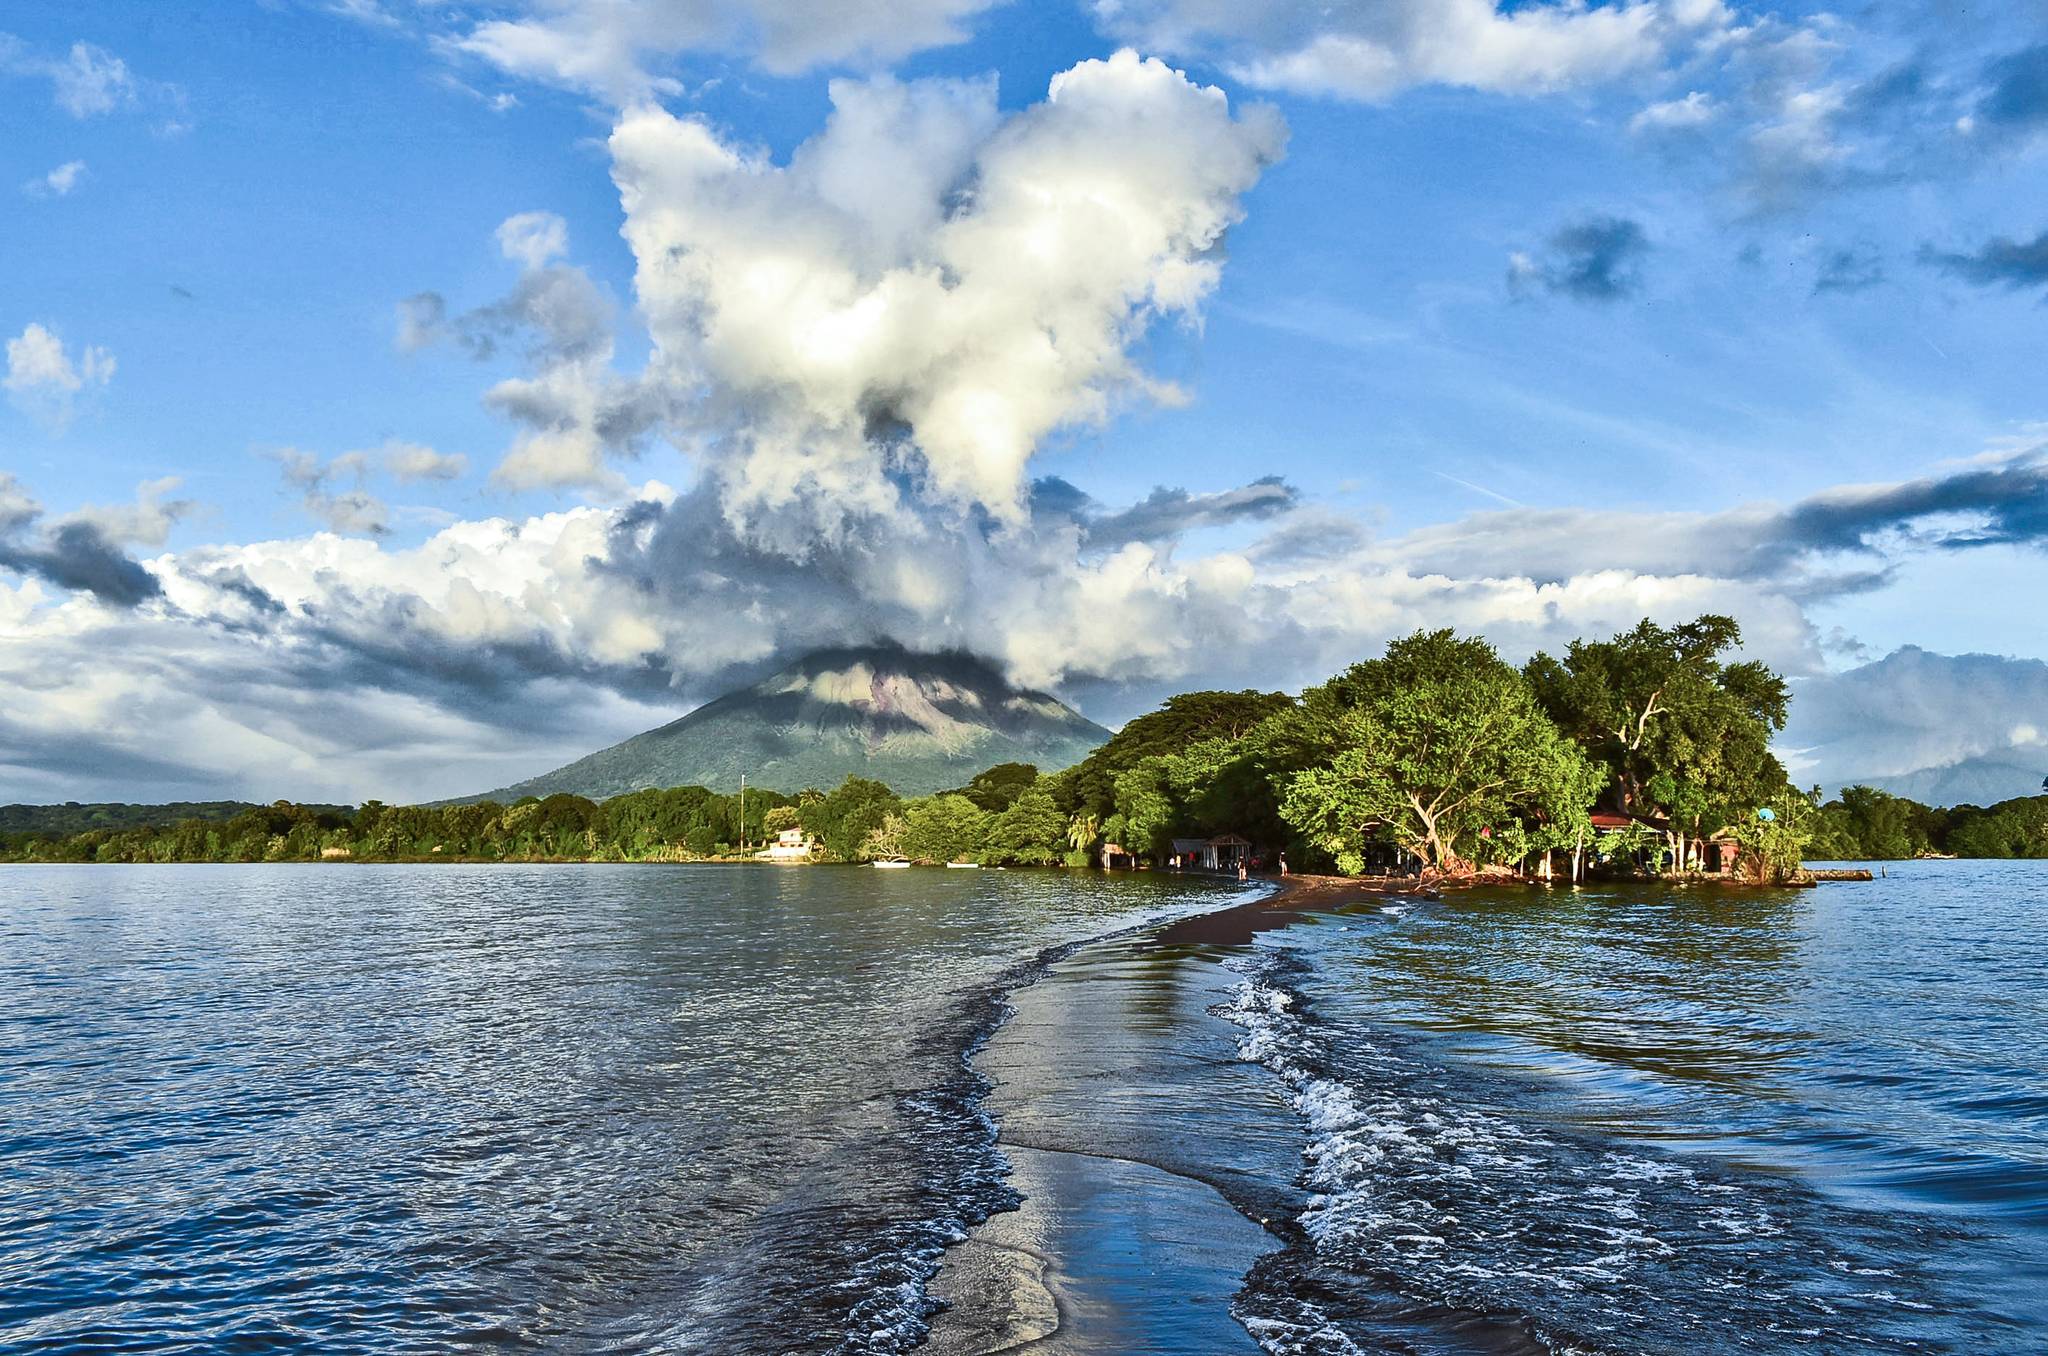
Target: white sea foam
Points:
(1307, 1331)
(1357, 1138)
(1406, 1177)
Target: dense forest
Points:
(1438, 755)
(1867, 825)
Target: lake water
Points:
(1647, 1119)
(727, 1109)
(559, 1108)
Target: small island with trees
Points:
(1647, 753)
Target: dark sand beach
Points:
(1148, 1154)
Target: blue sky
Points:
(1535, 302)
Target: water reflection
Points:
(1698, 985)
(1859, 1028)
(407, 1108)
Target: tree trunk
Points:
(1433, 846)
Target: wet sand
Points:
(1106, 1255)
(1292, 899)
(1146, 1151)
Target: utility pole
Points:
(743, 812)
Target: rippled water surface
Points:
(575, 1108)
(1652, 1119)
(728, 1110)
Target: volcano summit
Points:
(919, 722)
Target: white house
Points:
(789, 846)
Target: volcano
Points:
(918, 722)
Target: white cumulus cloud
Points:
(1375, 49)
(58, 183)
(44, 379)
(1696, 109)
(534, 239)
(411, 462)
(209, 665)
(1944, 728)
(927, 288)
(91, 80)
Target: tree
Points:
(1834, 834)
(886, 838)
(1231, 785)
(1083, 830)
(1627, 844)
(1426, 746)
(779, 817)
(1684, 735)
(1774, 838)
(1618, 696)
(1882, 826)
(842, 820)
(1565, 822)
(1089, 787)
(997, 788)
(943, 828)
(2012, 828)
(1030, 832)
(1146, 807)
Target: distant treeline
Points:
(1436, 754)
(1867, 825)
(72, 817)
(1004, 815)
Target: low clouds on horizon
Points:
(337, 665)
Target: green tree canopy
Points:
(1181, 722)
(2012, 828)
(1682, 733)
(1426, 747)
(842, 819)
(997, 788)
(943, 828)
(1031, 832)
(1867, 824)
(1774, 837)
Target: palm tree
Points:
(1082, 831)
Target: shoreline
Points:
(1334, 888)
(986, 1008)
(1108, 1250)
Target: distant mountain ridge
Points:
(1984, 780)
(919, 722)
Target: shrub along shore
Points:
(1632, 754)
